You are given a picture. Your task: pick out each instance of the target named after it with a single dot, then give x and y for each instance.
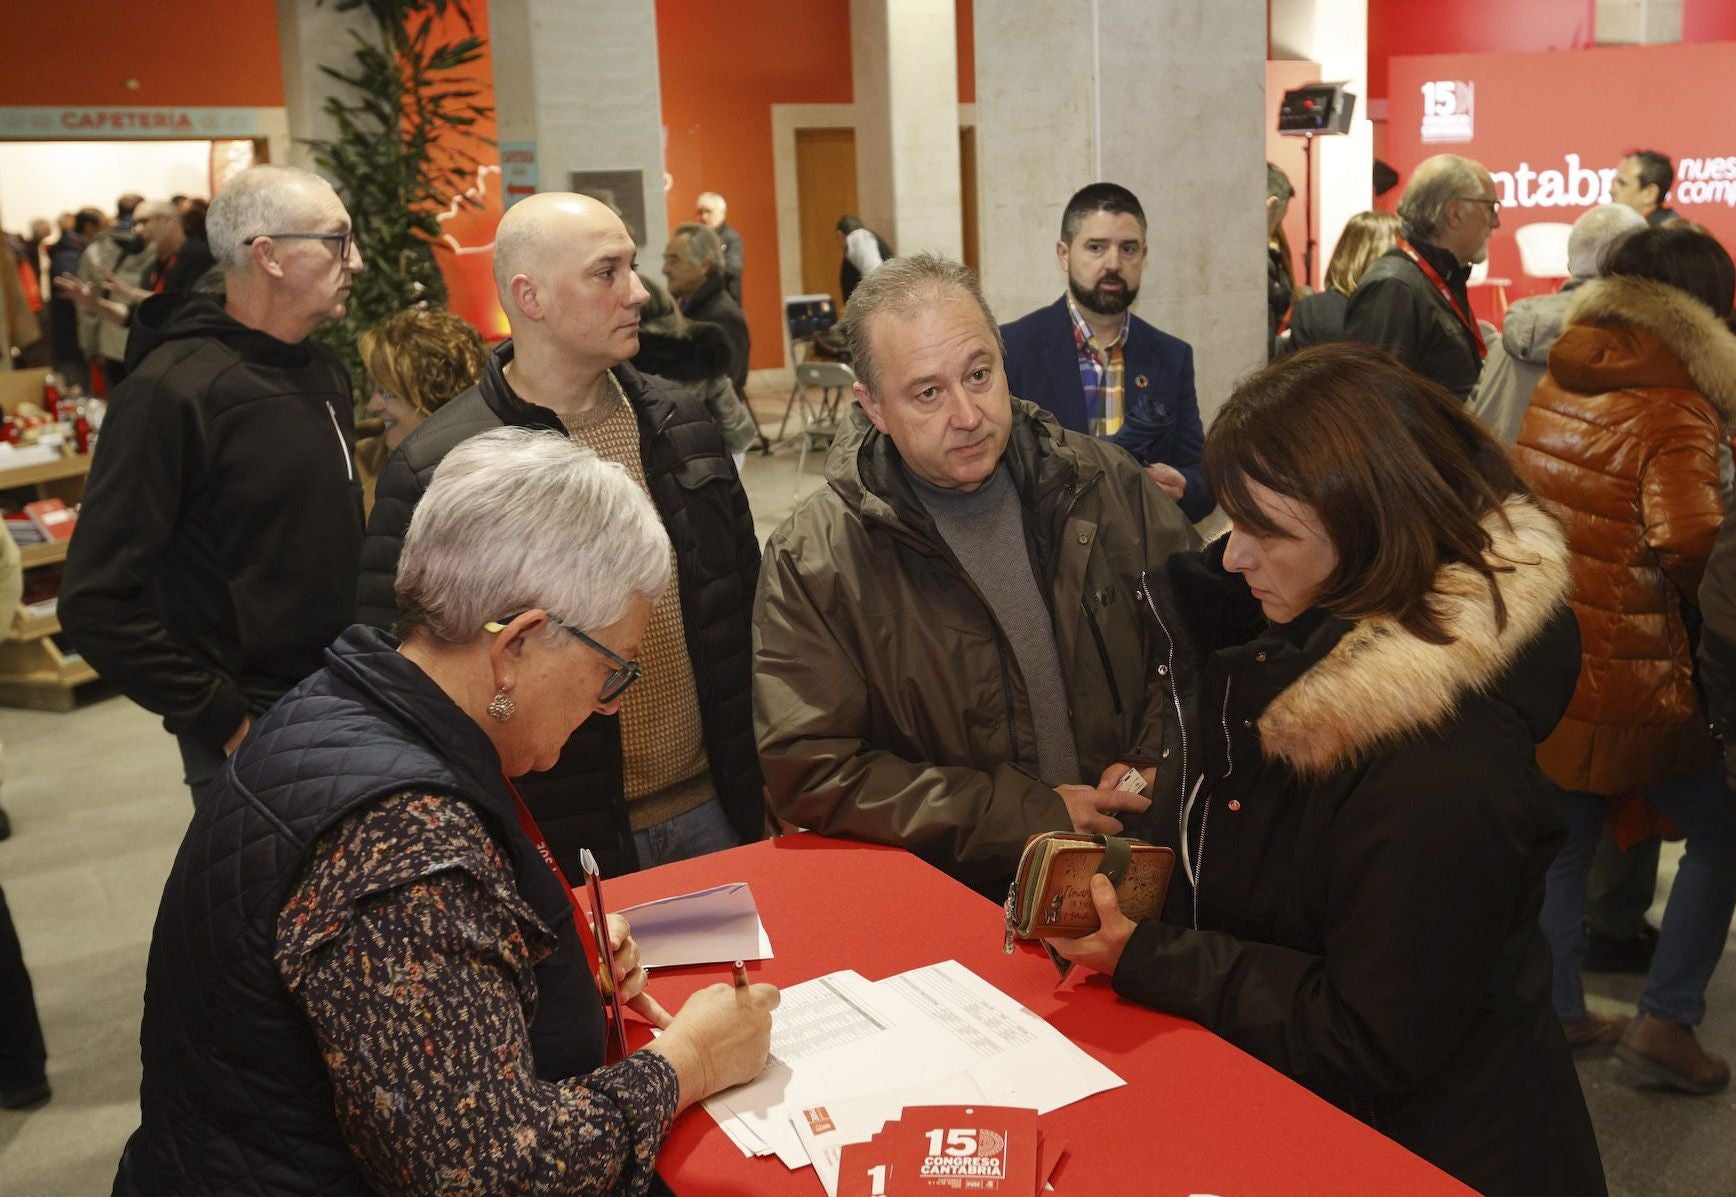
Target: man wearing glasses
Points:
(1412, 301)
(675, 774)
(215, 554)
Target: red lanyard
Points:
(587, 935)
(1434, 276)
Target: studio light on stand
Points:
(1310, 111)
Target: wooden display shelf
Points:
(35, 672)
(27, 627)
(49, 552)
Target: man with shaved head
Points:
(215, 556)
(1412, 301)
(675, 773)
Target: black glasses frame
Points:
(344, 240)
(616, 684)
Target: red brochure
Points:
(945, 1150)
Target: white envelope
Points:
(706, 927)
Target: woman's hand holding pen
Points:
(721, 1037)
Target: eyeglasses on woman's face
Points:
(625, 673)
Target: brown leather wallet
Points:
(1050, 897)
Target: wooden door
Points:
(825, 190)
(967, 194)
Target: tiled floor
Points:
(98, 811)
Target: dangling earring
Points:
(502, 707)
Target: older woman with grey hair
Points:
(367, 973)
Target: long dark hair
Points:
(1681, 254)
(1402, 477)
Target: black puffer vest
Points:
(235, 1097)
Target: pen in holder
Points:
(605, 954)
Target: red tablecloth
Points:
(1196, 1116)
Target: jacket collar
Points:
(865, 470)
(1703, 344)
(652, 409)
(1378, 683)
(368, 659)
(1445, 264)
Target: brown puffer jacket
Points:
(887, 701)
(1621, 442)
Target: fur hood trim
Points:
(1703, 343)
(1379, 683)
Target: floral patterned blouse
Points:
(412, 953)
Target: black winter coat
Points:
(1396, 308)
(712, 303)
(693, 484)
(235, 1097)
(1369, 844)
(215, 554)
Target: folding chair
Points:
(835, 382)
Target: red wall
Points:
(1708, 21)
(1403, 27)
(723, 67)
(191, 53)
(1529, 116)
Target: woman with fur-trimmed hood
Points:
(1622, 442)
(1363, 853)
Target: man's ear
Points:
(1061, 255)
(526, 296)
(264, 255)
(871, 406)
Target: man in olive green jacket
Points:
(953, 645)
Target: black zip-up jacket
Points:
(215, 555)
(579, 803)
(1396, 308)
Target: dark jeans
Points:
(1696, 918)
(702, 830)
(1622, 886)
(200, 768)
(22, 1054)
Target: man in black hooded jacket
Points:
(215, 554)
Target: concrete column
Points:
(1638, 22)
(1333, 33)
(1164, 97)
(904, 64)
(310, 36)
(580, 81)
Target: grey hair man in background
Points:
(1412, 302)
(1519, 357)
(951, 646)
(215, 555)
(693, 262)
(713, 214)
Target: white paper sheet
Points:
(708, 926)
(1020, 1060)
(841, 1037)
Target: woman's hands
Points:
(719, 1039)
(1101, 950)
(630, 976)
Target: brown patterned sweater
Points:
(413, 955)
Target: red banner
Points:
(1553, 127)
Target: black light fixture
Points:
(1310, 111)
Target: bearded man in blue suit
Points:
(1098, 368)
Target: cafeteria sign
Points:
(108, 124)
